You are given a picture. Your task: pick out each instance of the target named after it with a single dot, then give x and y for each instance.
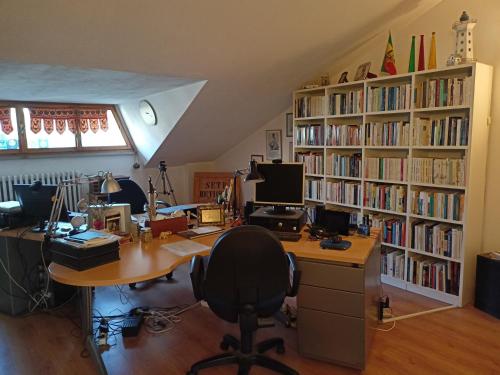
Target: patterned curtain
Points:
(5, 120)
(93, 119)
(60, 118)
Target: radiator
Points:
(73, 192)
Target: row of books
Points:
(449, 206)
(343, 192)
(313, 162)
(394, 231)
(389, 169)
(437, 238)
(390, 133)
(390, 98)
(343, 135)
(311, 214)
(350, 102)
(385, 197)
(392, 263)
(309, 106)
(313, 189)
(446, 131)
(344, 165)
(309, 135)
(439, 171)
(441, 92)
(443, 276)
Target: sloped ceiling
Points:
(251, 53)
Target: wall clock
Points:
(147, 112)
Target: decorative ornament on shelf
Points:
(464, 41)
(343, 78)
(389, 62)
(432, 53)
(411, 63)
(421, 54)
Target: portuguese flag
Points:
(389, 63)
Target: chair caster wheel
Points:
(224, 345)
(280, 349)
(132, 285)
(169, 276)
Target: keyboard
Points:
(288, 236)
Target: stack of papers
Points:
(186, 247)
(90, 238)
(200, 232)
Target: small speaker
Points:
(488, 284)
(248, 210)
(320, 214)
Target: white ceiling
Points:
(253, 53)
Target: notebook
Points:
(200, 232)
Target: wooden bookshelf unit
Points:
(406, 153)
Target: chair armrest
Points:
(294, 284)
(197, 275)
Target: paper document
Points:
(88, 239)
(185, 247)
(199, 232)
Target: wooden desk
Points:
(337, 301)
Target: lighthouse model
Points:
(464, 44)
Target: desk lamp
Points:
(108, 186)
(252, 175)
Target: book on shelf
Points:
(393, 229)
(343, 135)
(309, 135)
(444, 171)
(393, 169)
(438, 204)
(344, 165)
(313, 161)
(392, 263)
(309, 106)
(443, 276)
(343, 192)
(443, 92)
(388, 98)
(343, 103)
(314, 189)
(385, 197)
(437, 238)
(445, 131)
(389, 133)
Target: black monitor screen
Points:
(283, 185)
(36, 201)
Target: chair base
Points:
(245, 361)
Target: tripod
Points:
(163, 176)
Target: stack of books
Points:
(389, 169)
(343, 135)
(344, 165)
(437, 238)
(390, 133)
(350, 102)
(392, 98)
(309, 106)
(385, 197)
(446, 131)
(343, 192)
(309, 135)
(439, 275)
(443, 205)
(442, 92)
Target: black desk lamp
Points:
(252, 175)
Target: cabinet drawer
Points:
(332, 276)
(331, 300)
(331, 337)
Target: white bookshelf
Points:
(477, 109)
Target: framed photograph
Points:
(211, 215)
(273, 144)
(112, 223)
(257, 158)
(362, 71)
(343, 78)
(289, 124)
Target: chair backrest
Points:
(131, 193)
(247, 266)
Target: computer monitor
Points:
(36, 202)
(283, 186)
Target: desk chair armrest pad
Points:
(294, 285)
(197, 275)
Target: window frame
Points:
(23, 141)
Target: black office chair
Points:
(247, 278)
(132, 194)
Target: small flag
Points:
(432, 53)
(421, 57)
(411, 64)
(389, 63)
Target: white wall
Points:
(238, 156)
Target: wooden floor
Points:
(458, 341)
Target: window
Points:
(44, 127)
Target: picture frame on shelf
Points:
(362, 71)
(257, 157)
(343, 78)
(273, 144)
(289, 124)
